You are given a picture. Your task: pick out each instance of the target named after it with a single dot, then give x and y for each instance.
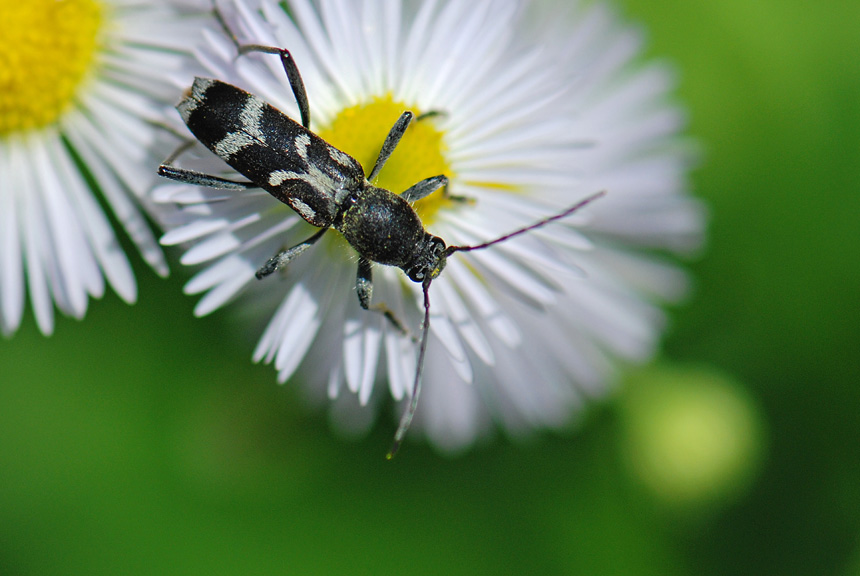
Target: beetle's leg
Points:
(293, 75)
(430, 114)
(283, 257)
(168, 170)
(391, 142)
(201, 179)
(364, 288)
(393, 139)
(429, 185)
(459, 198)
(425, 187)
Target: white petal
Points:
(11, 266)
(37, 252)
(116, 195)
(301, 308)
(100, 236)
(447, 299)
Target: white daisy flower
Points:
(80, 81)
(533, 118)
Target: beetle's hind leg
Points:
(169, 170)
(293, 75)
(427, 186)
(364, 288)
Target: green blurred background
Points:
(142, 441)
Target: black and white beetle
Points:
(325, 186)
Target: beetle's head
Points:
(429, 261)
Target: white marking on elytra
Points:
(194, 97)
(317, 178)
(340, 157)
(303, 209)
(303, 141)
(250, 116)
(300, 144)
(278, 177)
(232, 143)
(251, 132)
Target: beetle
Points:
(325, 186)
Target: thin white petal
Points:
(35, 241)
(301, 307)
(448, 300)
(486, 306)
(442, 329)
(101, 238)
(116, 195)
(11, 266)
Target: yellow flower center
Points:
(46, 49)
(360, 131)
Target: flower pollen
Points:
(46, 49)
(360, 131)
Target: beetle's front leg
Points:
(429, 185)
(364, 288)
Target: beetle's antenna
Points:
(567, 212)
(406, 419)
